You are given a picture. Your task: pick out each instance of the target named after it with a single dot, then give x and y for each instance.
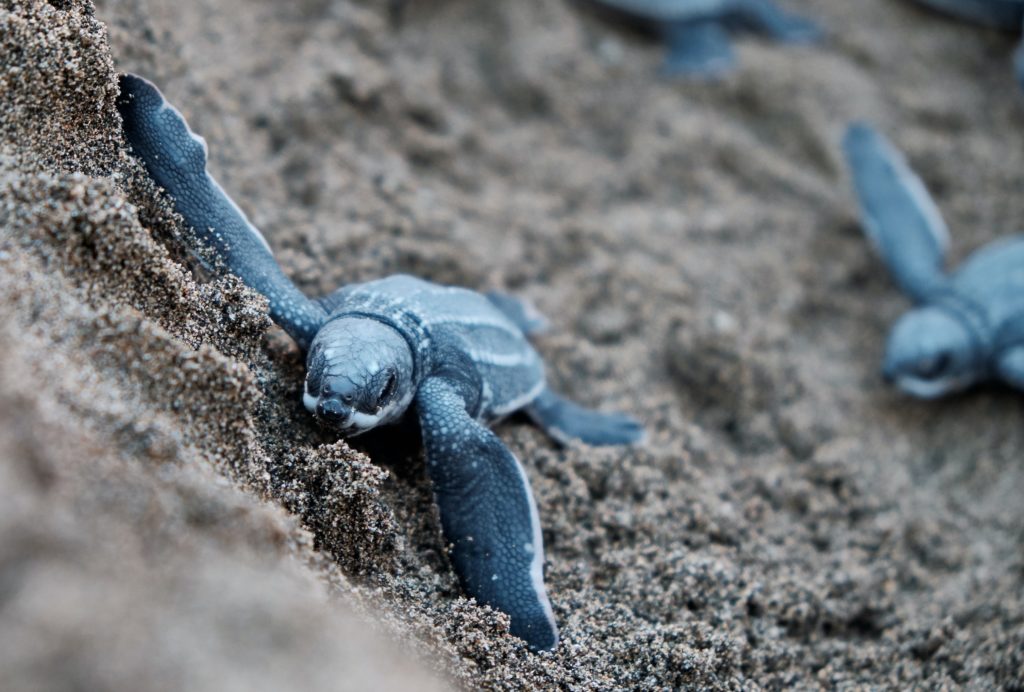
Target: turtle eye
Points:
(933, 367)
(389, 388)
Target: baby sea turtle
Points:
(998, 14)
(460, 359)
(697, 31)
(968, 326)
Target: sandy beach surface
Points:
(172, 518)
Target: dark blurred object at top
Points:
(697, 32)
(999, 14)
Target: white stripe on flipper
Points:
(166, 105)
(252, 229)
(536, 549)
(919, 194)
(870, 155)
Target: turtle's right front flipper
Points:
(899, 216)
(487, 513)
(175, 157)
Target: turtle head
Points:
(930, 353)
(359, 374)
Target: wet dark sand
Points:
(170, 516)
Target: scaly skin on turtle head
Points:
(359, 375)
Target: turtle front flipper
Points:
(565, 421)
(487, 512)
(765, 17)
(175, 157)
(899, 216)
(697, 48)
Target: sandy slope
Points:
(171, 518)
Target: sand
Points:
(171, 517)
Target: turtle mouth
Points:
(924, 388)
(356, 423)
(343, 430)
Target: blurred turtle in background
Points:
(998, 14)
(967, 325)
(697, 32)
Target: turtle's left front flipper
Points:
(175, 157)
(898, 215)
(487, 512)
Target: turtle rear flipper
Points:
(764, 17)
(565, 421)
(175, 157)
(697, 48)
(899, 216)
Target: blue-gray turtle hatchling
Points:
(967, 326)
(459, 359)
(697, 31)
(999, 14)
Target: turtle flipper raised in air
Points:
(175, 158)
(898, 214)
(968, 326)
(375, 348)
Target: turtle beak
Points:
(333, 413)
